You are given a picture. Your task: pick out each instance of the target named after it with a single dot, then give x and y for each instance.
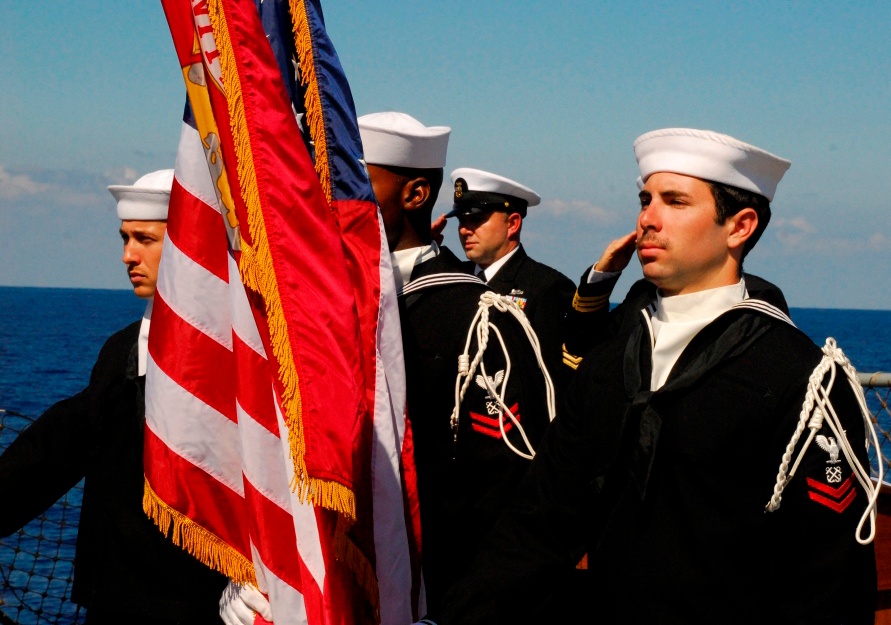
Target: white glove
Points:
(240, 603)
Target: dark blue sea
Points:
(49, 340)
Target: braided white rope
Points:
(480, 327)
(816, 410)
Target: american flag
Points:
(276, 443)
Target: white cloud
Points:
(793, 232)
(796, 223)
(13, 186)
(123, 175)
(878, 242)
(54, 189)
(576, 208)
(797, 234)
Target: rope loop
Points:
(816, 421)
(481, 328)
(817, 411)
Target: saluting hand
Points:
(437, 227)
(617, 254)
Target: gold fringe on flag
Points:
(315, 117)
(344, 548)
(205, 546)
(258, 274)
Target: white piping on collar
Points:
(438, 279)
(768, 309)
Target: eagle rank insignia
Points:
(490, 425)
(836, 498)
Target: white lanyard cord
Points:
(480, 327)
(816, 410)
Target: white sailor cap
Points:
(146, 199)
(399, 140)
(478, 191)
(710, 156)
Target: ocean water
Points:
(864, 335)
(49, 340)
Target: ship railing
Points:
(877, 390)
(36, 563)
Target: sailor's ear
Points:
(415, 193)
(740, 227)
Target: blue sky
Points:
(550, 94)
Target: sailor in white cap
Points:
(682, 463)
(729, 167)
(405, 161)
(467, 466)
(490, 210)
(142, 209)
(125, 570)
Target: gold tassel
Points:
(204, 545)
(258, 273)
(315, 116)
(247, 267)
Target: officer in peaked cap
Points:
(466, 471)
(126, 571)
(672, 462)
(490, 210)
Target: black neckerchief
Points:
(725, 338)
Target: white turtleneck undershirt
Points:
(405, 260)
(142, 341)
(680, 317)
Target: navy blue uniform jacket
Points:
(464, 483)
(126, 571)
(666, 490)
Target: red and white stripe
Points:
(215, 428)
(211, 409)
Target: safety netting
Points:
(37, 562)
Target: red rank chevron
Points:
(837, 499)
(490, 425)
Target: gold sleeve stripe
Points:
(589, 309)
(590, 304)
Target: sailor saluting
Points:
(710, 457)
(490, 210)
